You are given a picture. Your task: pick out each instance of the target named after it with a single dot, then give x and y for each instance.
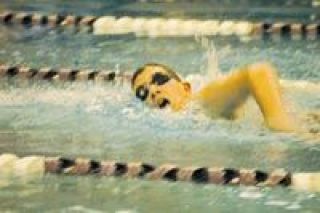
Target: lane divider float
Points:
(163, 27)
(63, 74)
(38, 166)
(71, 74)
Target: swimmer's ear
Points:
(187, 86)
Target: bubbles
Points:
(251, 193)
(276, 203)
(79, 208)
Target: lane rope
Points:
(62, 74)
(162, 27)
(71, 74)
(38, 166)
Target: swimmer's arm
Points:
(260, 80)
(225, 96)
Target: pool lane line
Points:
(62, 74)
(71, 74)
(162, 27)
(38, 166)
(10, 18)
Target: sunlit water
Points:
(106, 122)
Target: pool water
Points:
(105, 121)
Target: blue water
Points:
(106, 122)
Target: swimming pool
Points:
(107, 122)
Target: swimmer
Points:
(159, 86)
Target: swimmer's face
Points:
(160, 87)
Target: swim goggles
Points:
(142, 92)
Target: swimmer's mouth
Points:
(165, 102)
